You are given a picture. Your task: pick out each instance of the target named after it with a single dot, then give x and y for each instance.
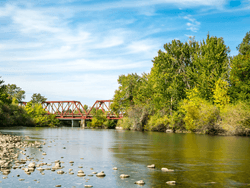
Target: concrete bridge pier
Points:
(83, 123)
(75, 123)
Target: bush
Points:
(158, 123)
(235, 119)
(125, 123)
(199, 114)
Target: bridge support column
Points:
(83, 123)
(75, 123)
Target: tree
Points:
(244, 47)
(15, 92)
(37, 98)
(210, 63)
(240, 72)
(4, 97)
(169, 75)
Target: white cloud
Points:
(193, 24)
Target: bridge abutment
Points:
(83, 123)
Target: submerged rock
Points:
(124, 176)
(166, 170)
(151, 166)
(171, 182)
(140, 182)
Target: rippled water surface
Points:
(197, 160)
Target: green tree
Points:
(15, 92)
(244, 47)
(211, 62)
(39, 115)
(37, 98)
(4, 97)
(240, 72)
(169, 75)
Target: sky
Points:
(76, 50)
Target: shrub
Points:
(125, 123)
(235, 119)
(157, 123)
(199, 114)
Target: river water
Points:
(197, 160)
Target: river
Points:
(197, 160)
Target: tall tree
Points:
(37, 98)
(211, 62)
(244, 46)
(15, 92)
(169, 77)
(4, 97)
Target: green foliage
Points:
(244, 47)
(240, 78)
(199, 114)
(158, 122)
(125, 123)
(221, 98)
(210, 63)
(40, 116)
(236, 119)
(37, 98)
(15, 92)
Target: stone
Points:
(60, 172)
(140, 182)
(166, 170)
(115, 168)
(58, 186)
(171, 182)
(21, 179)
(88, 186)
(124, 176)
(151, 166)
(100, 174)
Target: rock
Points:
(169, 131)
(21, 179)
(60, 172)
(124, 176)
(140, 182)
(58, 186)
(71, 161)
(94, 172)
(166, 170)
(44, 154)
(80, 173)
(115, 168)
(80, 167)
(171, 182)
(151, 166)
(88, 186)
(100, 174)
(32, 165)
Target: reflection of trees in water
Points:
(197, 160)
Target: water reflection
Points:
(198, 160)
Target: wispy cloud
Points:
(193, 24)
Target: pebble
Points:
(115, 168)
(140, 182)
(100, 174)
(166, 170)
(124, 176)
(21, 179)
(88, 186)
(60, 172)
(58, 186)
(171, 182)
(151, 166)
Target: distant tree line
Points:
(13, 114)
(192, 87)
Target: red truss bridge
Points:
(75, 110)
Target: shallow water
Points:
(197, 160)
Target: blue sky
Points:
(75, 50)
